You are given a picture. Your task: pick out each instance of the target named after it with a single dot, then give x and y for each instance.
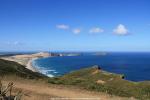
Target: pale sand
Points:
(27, 62)
(30, 66)
(27, 59)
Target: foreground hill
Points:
(35, 86)
(90, 82)
(38, 90)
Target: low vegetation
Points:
(13, 68)
(95, 79)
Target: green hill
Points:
(13, 68)
(97, 80)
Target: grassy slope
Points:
(95, 80)
(89, 78)
(13, 68)
(40, 89)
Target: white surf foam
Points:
(44, 70)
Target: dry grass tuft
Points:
(6, 92)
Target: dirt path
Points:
(42, 91)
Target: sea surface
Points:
(135, 66)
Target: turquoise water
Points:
(135, 66)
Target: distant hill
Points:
(13, 68)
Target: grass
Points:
(101, 81)
(13, 68)
(6, 92)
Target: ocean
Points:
(135, 66)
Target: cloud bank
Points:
(119, 30)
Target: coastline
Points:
(30, 66)
(27, 60)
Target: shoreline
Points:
(27, 60)
(30, 66)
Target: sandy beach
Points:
(30, 66)
(27, 59)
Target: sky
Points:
(75, 25)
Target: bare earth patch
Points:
(100, 82)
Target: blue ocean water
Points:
(135, 66)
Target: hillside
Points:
(95, 79)
(34, 86)
(13, 68)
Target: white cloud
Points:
(14, 43)
(62, 26)
(121, 30)
(76, 31)
(96, 30)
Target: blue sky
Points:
(75, 25)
